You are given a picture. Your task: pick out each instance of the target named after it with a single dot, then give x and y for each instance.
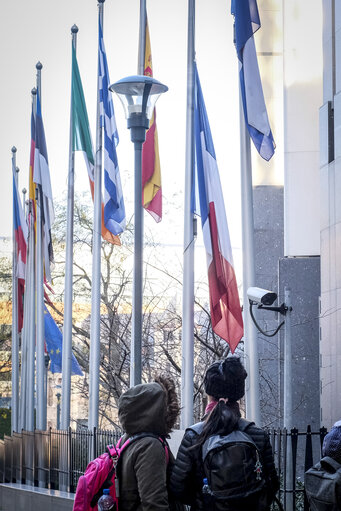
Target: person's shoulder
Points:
(256, 433)
(144, 440)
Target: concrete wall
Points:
(302, 276)
(22, 497)
(269, 236)
(330, 189)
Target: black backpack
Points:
(233, 467)
(323, 485)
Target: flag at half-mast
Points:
(247, 22)
(114, 210)
(20, 233)
(81, 137)
(41, 176)
(226, 315)
(54, 346)
(151, 170)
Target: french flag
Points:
(247, 22)
(226, 315)
(20, 233)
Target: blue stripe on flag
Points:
(201, 126)
(114, 210)
(247, 22)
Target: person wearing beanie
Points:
(143, 467)
(224, 384)
(332, 443)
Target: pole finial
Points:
(24, 191)
(34, 91)
(14, 149)
(74, 29)
(39, 65)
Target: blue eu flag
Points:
(54, 346)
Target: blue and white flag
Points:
(54, 346)
(114, 211)
(247, 22)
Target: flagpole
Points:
(142, 38)
(136, 333)
(40, 349)
(15, 335)
(188, 256)
(24, 191)
(31, 324)
(95, 332)
(67, 328)
(249, 279)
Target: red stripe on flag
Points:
(226, 314)
(148, 155)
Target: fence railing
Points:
(55, 459)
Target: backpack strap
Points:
(330, 464)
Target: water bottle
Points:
(106, 502)
(206, 492)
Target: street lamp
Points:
(138, 95)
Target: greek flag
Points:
(114, 211)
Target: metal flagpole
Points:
(136, 333)
(95, 332)
(40, 349)
(188, 261)
(142, 37)
(24, 191)
(250, 331)
(15, 335)
(31, 331)
(67, 328)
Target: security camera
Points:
(257, 295)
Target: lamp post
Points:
(138, 95)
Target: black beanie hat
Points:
(226, 379)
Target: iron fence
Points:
(55, 459)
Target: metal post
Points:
(15, 335)
(40, 341)
(136, 332)
(24, 191)
(67, 328)
(249, 278)
(30, 296)
(31, 319)
(95, 332)
(58, 409)
(288, 409)
(188, 255)
(142, 37)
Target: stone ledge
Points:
(23, 497)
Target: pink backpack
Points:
(101, 473)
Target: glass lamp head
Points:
(138, 95)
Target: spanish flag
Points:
(151, 171)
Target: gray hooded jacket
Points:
(143, 467)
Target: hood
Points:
(143, 409)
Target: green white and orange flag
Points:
(151, 171)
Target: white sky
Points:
(39, 30)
